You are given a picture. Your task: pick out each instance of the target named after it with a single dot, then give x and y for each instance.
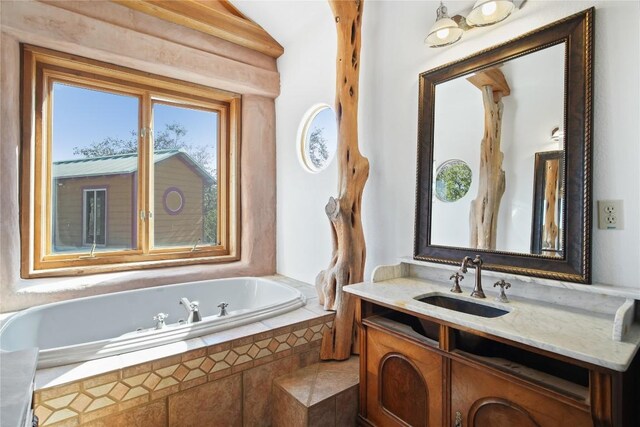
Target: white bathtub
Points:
(106, 325)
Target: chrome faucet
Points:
(477, 263)
(160, 318)
(193, 310)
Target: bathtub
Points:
(106, 325)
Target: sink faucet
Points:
(193, 310)
(477, 262)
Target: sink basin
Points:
(463, 306)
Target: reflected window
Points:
(453, 180)
(318, 138)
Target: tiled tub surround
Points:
(218, 379)
(577, 321)
(124, 321)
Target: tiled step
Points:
(324, 394)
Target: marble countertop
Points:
(570, 332)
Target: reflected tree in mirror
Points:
(453, 180)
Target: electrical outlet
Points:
(610, 215)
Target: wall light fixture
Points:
(448, 30)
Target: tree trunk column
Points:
(483, 215)
(349, 252)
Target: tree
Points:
(318, 151)
(172, 137)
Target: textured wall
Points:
(129, 38)
(393, 55)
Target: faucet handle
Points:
(160, 317)
(503, 285)
(456, 277)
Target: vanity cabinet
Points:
(482, 399)
(418, 371)
(405, 381)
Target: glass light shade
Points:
(444, 31)
(489, 12)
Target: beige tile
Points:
(196, 373)
(193, 382)
(167, 362)
(257, 391)
(100, 390)
(299, 384)
(159, 394)
(180, 373)
(167, 371)
(42, 412)
(152, 381)
(63, 418)
(216, 403)
(132, 403)
(101, 380)
(194, 354)
(136, 380)
(151, 415)
(347, 407)
(51, 393)
(323, 414)
(193, 363)
(86, 417)
(239, 367)
(118, 391)
(60, 402)
(135, 392)
(241, 344)
(207, 364)
(80, 403)
(165, 382)
(220, 355)
(253, 351)
(306, 358)
(287, 411)
(219, 348)
(100, 403)
(131, 371)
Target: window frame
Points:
(41, 68)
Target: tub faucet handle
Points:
(160, 318)
(223, 309)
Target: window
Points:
(123, 169)
(94, 217)
(317, 138)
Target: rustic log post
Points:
(550, 230)
(483, 215)
(349, 252)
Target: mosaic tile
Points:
(109, 394)
(61, 402)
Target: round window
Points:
(318, 138)
(453, 179)
(173, 201)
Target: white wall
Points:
(393, 56)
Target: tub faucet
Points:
(193, 310)
(477, 262)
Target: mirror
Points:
(518, 116)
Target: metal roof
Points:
(117, 165)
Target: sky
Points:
(82, 116)
(326, 120)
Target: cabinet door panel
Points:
(404, 382)
(486, 400)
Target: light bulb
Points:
(489, 8)
(442, 34)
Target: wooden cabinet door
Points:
(486, 400)
(404, 382)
